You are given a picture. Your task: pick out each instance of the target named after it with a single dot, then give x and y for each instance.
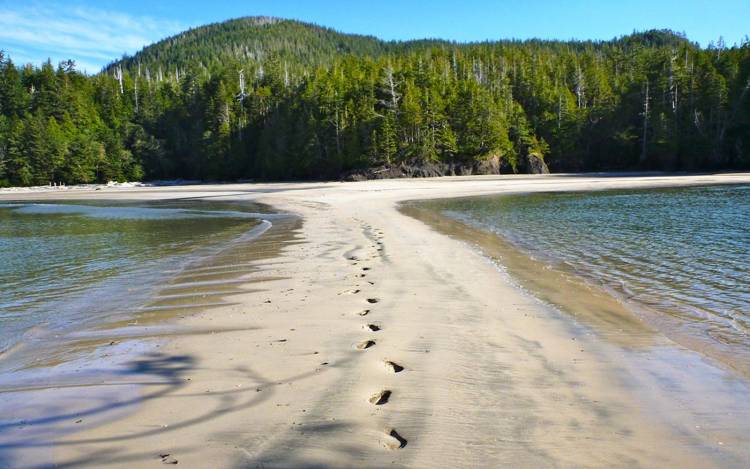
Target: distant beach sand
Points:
(370, 339)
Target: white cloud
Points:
(90, 36)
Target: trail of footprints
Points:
(391, 438)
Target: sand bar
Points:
(372, 340)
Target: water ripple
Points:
(683, 252)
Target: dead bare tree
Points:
(672, 82)
(645, 125)
(389, 88)
(135, 86)
(241, 99)
(118, 77)
(580, 87)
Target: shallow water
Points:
(682, 255)
(65, 267)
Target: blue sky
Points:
(95, 32)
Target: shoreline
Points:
(599, 306)
(490, 376)
(116, 309)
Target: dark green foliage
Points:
(316, 103)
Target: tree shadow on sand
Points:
(53, 422)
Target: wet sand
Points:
(603, 309)
(366, 338)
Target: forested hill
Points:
(267, 98)
(250, 40)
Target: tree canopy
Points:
(276, 99)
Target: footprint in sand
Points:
(167, 459)
(373, 327)
(381, 397)
(393, 440)
(350, 292)
(365, 344)
(372, 300)
(364, 313)
(394, 367)
(365, 268)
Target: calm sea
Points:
(679, 253)
(65, 267)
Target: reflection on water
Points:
(683, 254)
(65, 266)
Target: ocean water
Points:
(66, 267)
(681, 254)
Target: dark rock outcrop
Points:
(535, 165)
(416, 169)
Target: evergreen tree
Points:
(268, 98)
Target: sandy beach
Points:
(359, 336)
